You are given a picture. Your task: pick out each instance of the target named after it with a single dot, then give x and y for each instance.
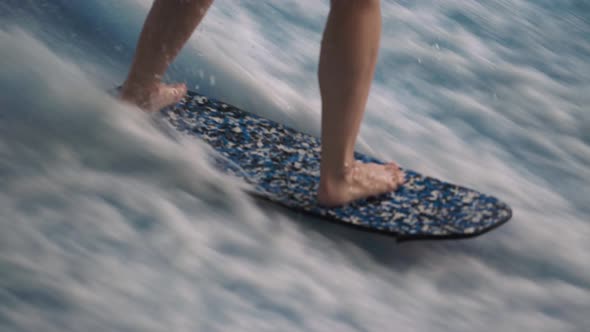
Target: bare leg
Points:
(167, 28)
(347, 63)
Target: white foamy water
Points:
(111, 221)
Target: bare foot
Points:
(360, 180)
(153, 99)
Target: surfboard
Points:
(281, 164)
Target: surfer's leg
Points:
(347, 63)
(168, 26)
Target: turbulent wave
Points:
(110, 220)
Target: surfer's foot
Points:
(360, 180)
(155, 98)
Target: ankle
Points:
(332, 180)
(334, 173)
(133, 89)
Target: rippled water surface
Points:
(113, 222)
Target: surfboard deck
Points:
(281, 164)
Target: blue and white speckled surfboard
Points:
(282, 165)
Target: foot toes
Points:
(391, 166)
(177, 90)
(400, 177)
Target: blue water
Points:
(112, 222)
